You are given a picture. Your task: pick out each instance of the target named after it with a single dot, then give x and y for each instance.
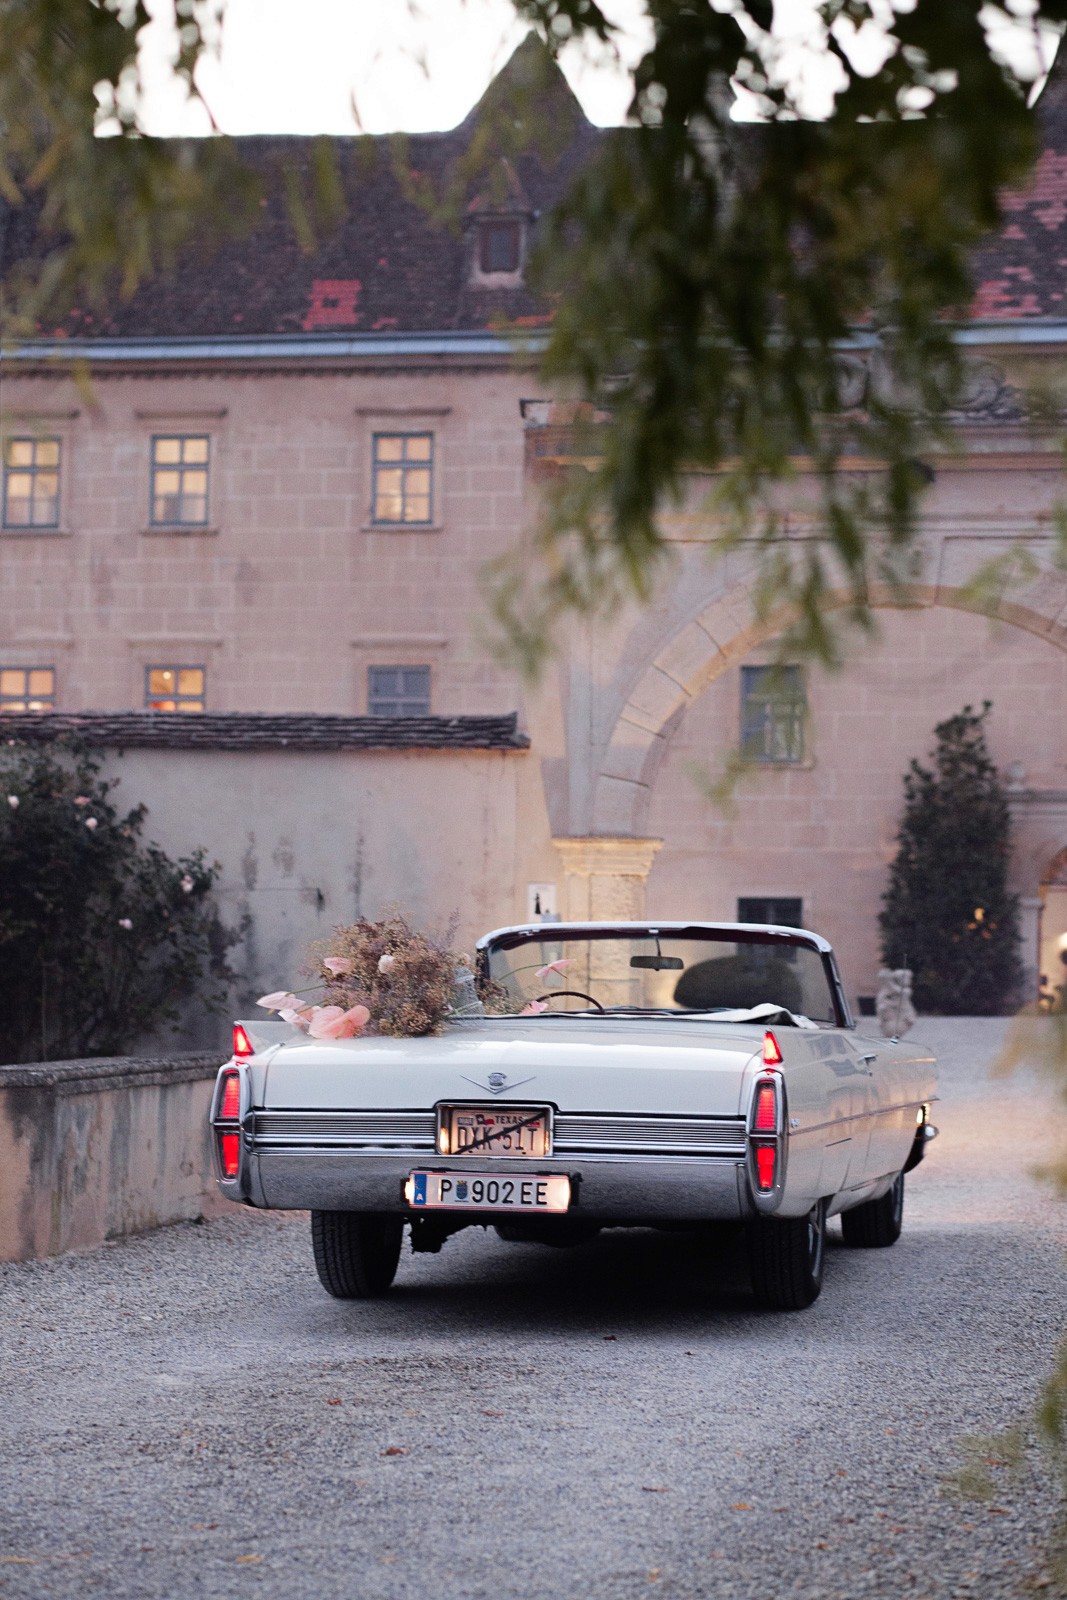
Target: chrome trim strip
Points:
(571, 1133)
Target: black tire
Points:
(786, 1257)
(356, 1252)
(876, 1224)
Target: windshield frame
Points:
(722, 932)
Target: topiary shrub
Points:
(102, 937)
(948, 913)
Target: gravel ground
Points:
(188, 1413)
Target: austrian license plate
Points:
(487, 1191)
(494, 1131)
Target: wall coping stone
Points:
(98, 1073)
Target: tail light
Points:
(227, 1120)
(242, 1044)
(766, 1116)
(766, 1125)
(772, 1054)
(230, 1098)
(766, 1167)
(230, 1154)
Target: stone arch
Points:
(724, 632)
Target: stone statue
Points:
(896, 1014)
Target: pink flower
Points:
(13, 801)
(298, 1018)
(82, 800)
(187, 884)
(92, 824)
(124, 922)
(385, 963)
(338, 965)
(553, 966)
(280, 1000)
(331, 1022)
(534, 1008)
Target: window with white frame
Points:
(773, 715)
(402, 479)
(175, 688)
(27, 688)
(181, 463)
(398, 691)
(31, 483)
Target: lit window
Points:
(403, 477)
(27, 688)
(179, 480)
(398, 691)
(174, 688)
(31, 483)
(779, 911)
(499, 246)
(773, 714)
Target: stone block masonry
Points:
(95, 1150)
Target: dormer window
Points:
(499, 245)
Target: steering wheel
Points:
(554, 994)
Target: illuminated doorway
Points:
(1053, 944)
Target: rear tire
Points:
(356, 1252)
(876, 1224)
(786, 1257)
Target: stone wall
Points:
(95, 1150)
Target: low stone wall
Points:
(93, 1150)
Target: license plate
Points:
(494, 1131)
(487, 1191)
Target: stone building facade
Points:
(245, 563)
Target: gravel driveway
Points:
(188, 1414)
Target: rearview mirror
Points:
(658, 963)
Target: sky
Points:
(416, 65)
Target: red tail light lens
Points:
(242, 1044)
(766, 1162)
(766, 1118)
(230, 1098)
(772, 1055)
(230, 1153)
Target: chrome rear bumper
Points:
(612, 1188)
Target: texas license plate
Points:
(494, 1131)
(487, 1191)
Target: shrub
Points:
(102, 937)
(948, 914)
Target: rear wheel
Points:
(785, 1258)
(877, 1223)
(356, 1252)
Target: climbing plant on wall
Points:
(948, 913)
(102, 936)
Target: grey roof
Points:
(263, 730)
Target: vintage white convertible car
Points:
(626, 1075)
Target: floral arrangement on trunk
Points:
(382, 978)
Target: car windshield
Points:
(695, 970)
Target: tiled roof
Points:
(387, 265)
(1022, 272)
(263, 730)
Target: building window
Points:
(773, 715)
(403, 477)
(499, 246)
(778, 911)
(31, 483)
(174, 688)
(27, 688)
(180, 465)
(398, 691)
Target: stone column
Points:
(605, 877)
(1030, 907)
